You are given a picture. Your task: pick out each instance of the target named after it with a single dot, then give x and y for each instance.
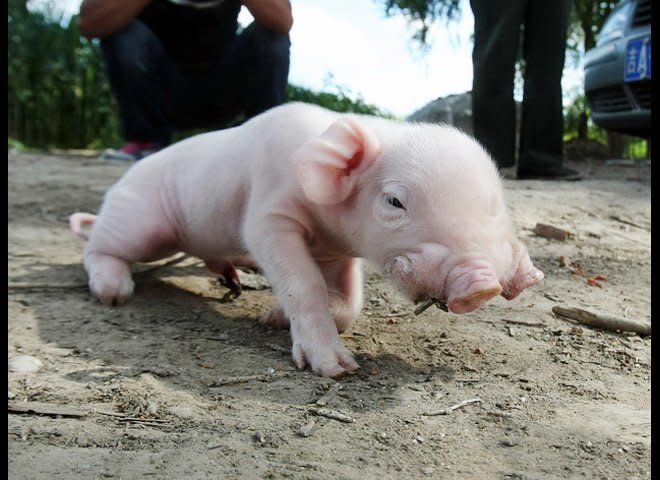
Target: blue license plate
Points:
(638, 59)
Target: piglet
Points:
(308, 193)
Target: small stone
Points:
(60, 352)
(428, 471)
(259, 437)
(508, 442)
(307, 429)
(182, 411)
(25, 364)
(152, 408)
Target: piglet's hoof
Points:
(335, 362)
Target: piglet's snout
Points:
(525, 276)
(521, 282)
(471, 285)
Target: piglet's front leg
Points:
(303, 295)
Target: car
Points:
(617, 71)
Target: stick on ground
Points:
(333, 414)
(427, 303)
(332, 391)
(606, 322)
(526, 324)
(40, 408)
(448, 410)
(261, 377)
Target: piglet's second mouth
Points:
(424, 304)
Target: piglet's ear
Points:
(328, 166)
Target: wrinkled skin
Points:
(306, 193)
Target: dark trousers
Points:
(497, 30)
(157, 97)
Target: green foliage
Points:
(341, 100)
(574, 117)
(15, 145)
(57, 93)
(577, 117)
(587, 18)
(421, 14)
(636, 148)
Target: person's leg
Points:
(250, 78)
(496, 34)
(541, 135)
(142, 77)
(263, 56)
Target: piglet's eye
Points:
(392, 200)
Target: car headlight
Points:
(615, 24)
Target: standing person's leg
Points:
(142, 78)
(542, 125)
(496, 34)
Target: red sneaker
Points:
(131, 152)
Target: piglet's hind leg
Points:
(109, 278)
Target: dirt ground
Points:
(177, 384)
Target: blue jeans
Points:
(157, 97)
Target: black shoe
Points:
(563, 173)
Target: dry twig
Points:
(386, 315)
(40, 408)
(526, 324)
(606, 322)
(448, 410)
(427, 303)
(333, 414)
(625, 222)
(332, 391)
(262, 377)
